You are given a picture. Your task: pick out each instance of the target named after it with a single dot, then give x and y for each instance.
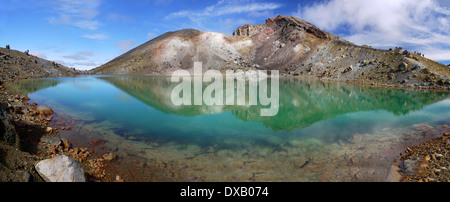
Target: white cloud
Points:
(87, 24)
(422, 25)
(221, 8)
(124, 45)
(96, 36)
(79, 13)
(82, 55)
(222, 12)
(115, 17)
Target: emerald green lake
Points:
(323, 131)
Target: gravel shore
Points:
(427, 162)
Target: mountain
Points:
(19, 65)
(288, 44)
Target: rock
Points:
(25, 98)
(60, 169)
(97, 141)
(348, 69)
(109, 157)
(52, 148)
(48, 139)
(66, 143)
(394, 174)
(45, 110)
(425, 71)
(439, 156)
(422, 127)
(7, 133)
(118, 178)
(48, 129)
(23, 176)
(410, 165)
(17, 110)
(403, 66)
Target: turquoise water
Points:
(310, 111)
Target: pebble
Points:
(109, 157)
(66, 143)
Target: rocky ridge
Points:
(19, 65)
(288, 44)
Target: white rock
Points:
(61, 169)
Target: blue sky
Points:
(87, 33)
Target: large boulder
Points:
(61, 169)
(403, 66)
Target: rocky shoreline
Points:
(427, 162)
(35, 137)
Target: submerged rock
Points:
(109, 157)
(61, 169)
(422, 127)
(48, 139)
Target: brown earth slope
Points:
(18, 65)
(288, 44)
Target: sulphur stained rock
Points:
(61, 169)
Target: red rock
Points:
(97, 141)
(52, 147)
(18, 110)
(45, 110)
(16, 97)
(25, 98)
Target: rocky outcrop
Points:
(16, 65)
(61, 169)
(248, 30)
(7, 133)
(285, 43)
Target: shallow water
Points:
(323, 131)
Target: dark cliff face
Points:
(7, 133)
